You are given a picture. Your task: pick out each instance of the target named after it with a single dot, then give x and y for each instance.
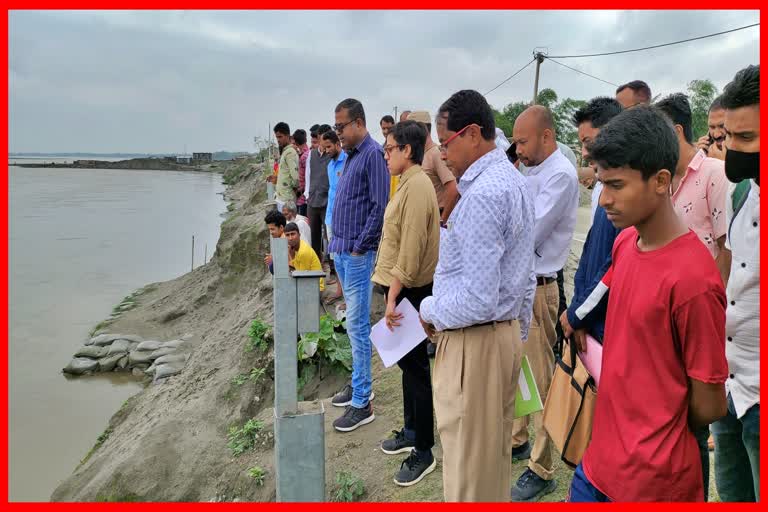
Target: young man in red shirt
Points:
(664, 365)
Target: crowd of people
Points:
(474, 231)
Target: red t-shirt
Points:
(665, 323)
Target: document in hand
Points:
(593, 358)
(527, 398)
(393, 345)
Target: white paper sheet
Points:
(393, 345)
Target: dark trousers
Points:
(302, 209)
(702, 436)
(316, 218)
(418, 413)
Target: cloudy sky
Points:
(160, 81)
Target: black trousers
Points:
(302, 209)
(316, 218)
(562, 306)
(418, 413)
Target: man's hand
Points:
(428, 328)
(267, 259)
(587, 176)
(580, 339)
(716, 152)
(566, 325)
(703, 143)
(392, 317)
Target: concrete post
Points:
(299, 428)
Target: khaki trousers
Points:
(538, 348)
(474, 385)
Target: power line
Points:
(655, 46)
(509, 77)
(582, 72)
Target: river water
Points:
(79, 241)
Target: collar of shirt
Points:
(429, 145)
(340, 157)
(405, 176)
(546, 164)
(478, 167)
(366, 140)
(698, 159)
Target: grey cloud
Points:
(157, 81)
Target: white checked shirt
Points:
(555, 190)
(742, 317)
(485, 267)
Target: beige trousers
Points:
(474, 385)
(538, 348)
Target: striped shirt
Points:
(361, 198)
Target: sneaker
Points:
(353, 418)
(531, 487)
(431, 349)
(522, 452)
(414, 469)
(397, 444)
(344, 397)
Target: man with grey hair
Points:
(291, 215)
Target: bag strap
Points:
(739, 197)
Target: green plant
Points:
(257, 374)
(257, 335)
(348, 487)
(240, 440)
(330, 345)
(239, 379)
(258, 474)
(254, 375)
(99, 441)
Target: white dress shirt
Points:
(305, 232)
(485, 268)
(307, 169)
(554, 186)
(596, 189)
(742, 317)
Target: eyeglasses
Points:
(444, 145)
(388, 149)
(338, 128)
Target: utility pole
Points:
(539, 59)
(395, 113)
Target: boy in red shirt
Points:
(664, 365)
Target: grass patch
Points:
(258, 474)
(258, 335)
(99, 441)
(240, 440)
(349, 487)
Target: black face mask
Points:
(741, 166)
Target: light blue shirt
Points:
(485, 268)
(335, 168)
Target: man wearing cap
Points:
(434, 166)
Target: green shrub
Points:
(258, 474)
(257, 335)
(348, 487)
(240, 440)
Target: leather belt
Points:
(541, 280)
(479, 325)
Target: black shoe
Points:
(531, 486)
(344, 397)
(353, 418)
(397, 444)
(431, 349)
(414, 469)
(522, 452)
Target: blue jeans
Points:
(702, 438)
(355, 273)
(582, 490)
(737, 455)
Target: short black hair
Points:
(597, 112)
(291, 226)
(468, 107)
(331, 136)
(283, 128)
(353, 107)
(717, 104)
(743, 90)
(275, 217)
(300, 137)
(677, 107)
(641, 138)
(323, 128)
(413, 134)
(387, 119)
(638, 87)
(313, 130)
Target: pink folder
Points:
(593, 358)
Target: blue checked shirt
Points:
(361, 198)
(485, 268)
